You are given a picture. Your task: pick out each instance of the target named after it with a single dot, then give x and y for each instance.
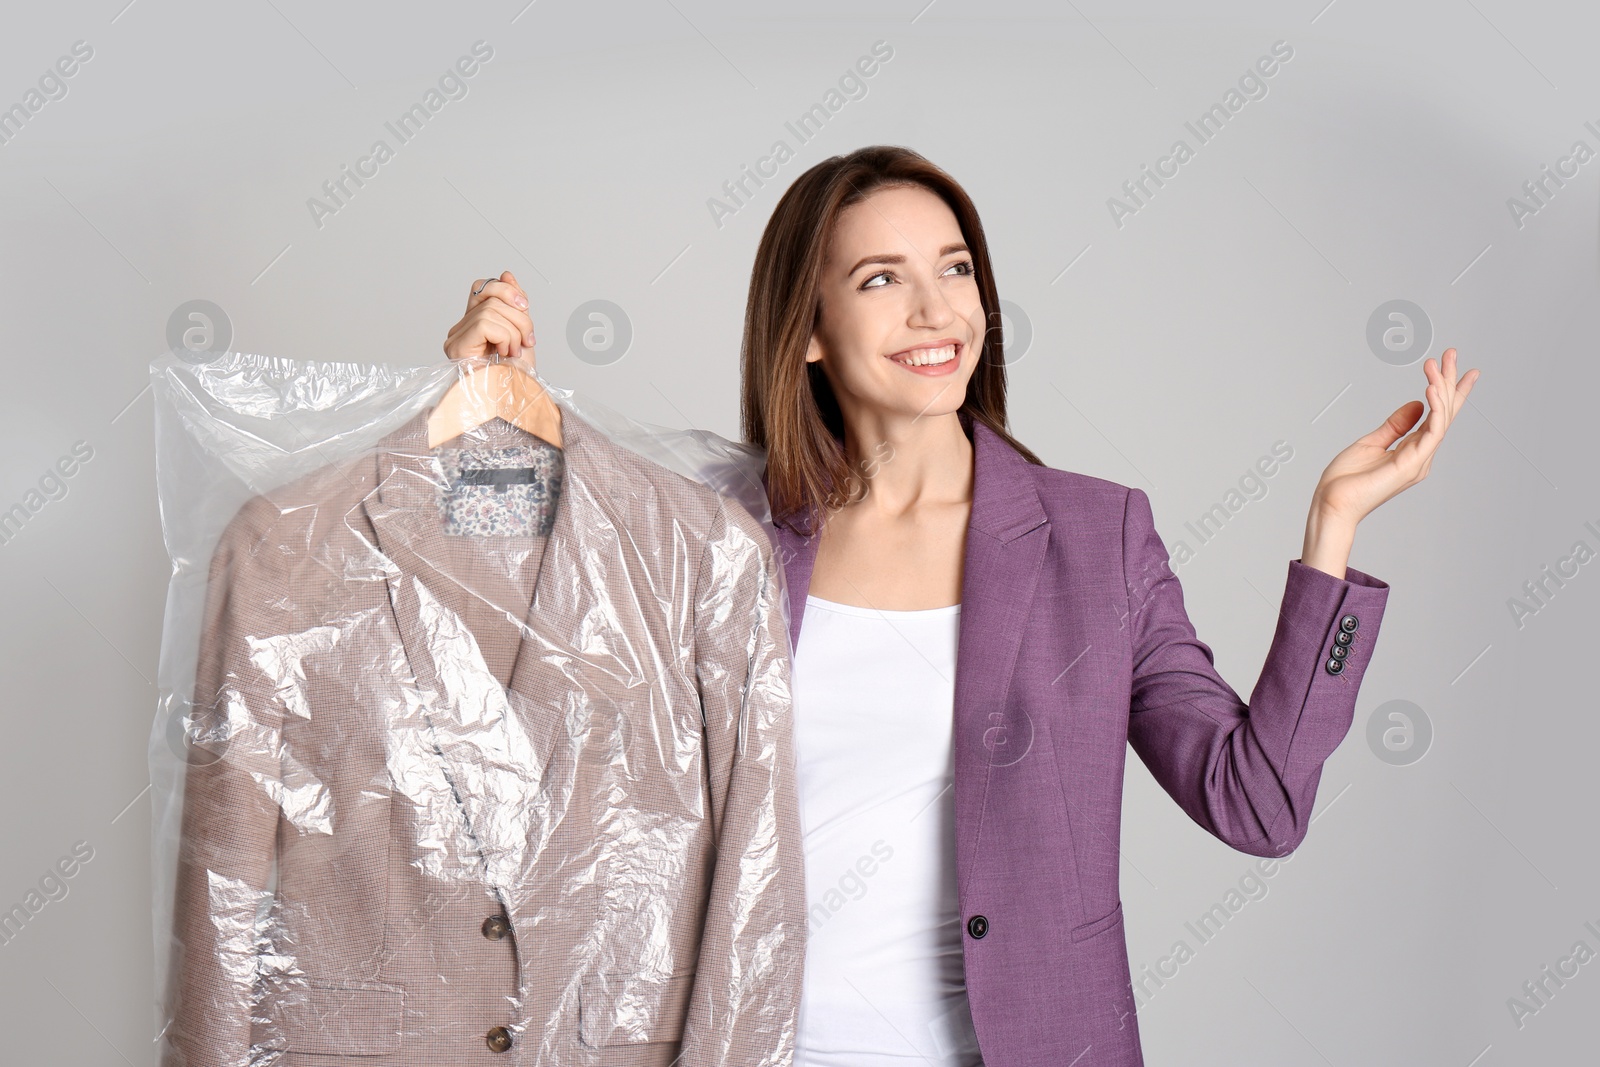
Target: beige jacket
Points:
(388, 858)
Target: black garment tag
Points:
(500, 477)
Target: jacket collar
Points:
(497, 743)
(1005, 506)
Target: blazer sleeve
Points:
(232, 794)
(746, 994)
(1247, 773)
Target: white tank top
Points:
(874, 695)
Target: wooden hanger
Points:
(501, 389)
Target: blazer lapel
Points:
(496, 744)
(1006, 538)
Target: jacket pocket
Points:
(1100, 925)
(627, 1009)
(333, 1019)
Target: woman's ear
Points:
(813, 349)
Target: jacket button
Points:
(1348, 623)
(1339, 651)
(496, 927)
(1342, 638)
(498, 1039)
(1334, 665)
(977, 926)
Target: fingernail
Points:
(531, 339)
(521, 301)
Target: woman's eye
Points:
(968, 271)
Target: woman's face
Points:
(898, 289)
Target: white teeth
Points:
(927, 357)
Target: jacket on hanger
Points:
(393, 854)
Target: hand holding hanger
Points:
(497, 319)
(496, 324)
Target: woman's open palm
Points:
(1370, 472)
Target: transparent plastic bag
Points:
(477, 752)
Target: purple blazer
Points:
(1074, 642)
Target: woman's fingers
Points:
(517, 317)
(503, 295)
(1445, 394)
(504, 288)
(506, 328)
(490, 327)
(496, 319)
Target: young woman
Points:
(983, 635)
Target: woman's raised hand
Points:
(1370, 472)
(497, 320)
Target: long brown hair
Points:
(787, 405)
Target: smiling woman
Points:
(990, 745)
(868, 277)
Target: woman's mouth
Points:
(939, 357)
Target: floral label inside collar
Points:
(500, 492)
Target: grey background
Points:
(1171, 353)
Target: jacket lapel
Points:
(1007, 534)
(496, 743)
(1006, 542)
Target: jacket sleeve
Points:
(746, 994)
(232, 794)
(1247, 773)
